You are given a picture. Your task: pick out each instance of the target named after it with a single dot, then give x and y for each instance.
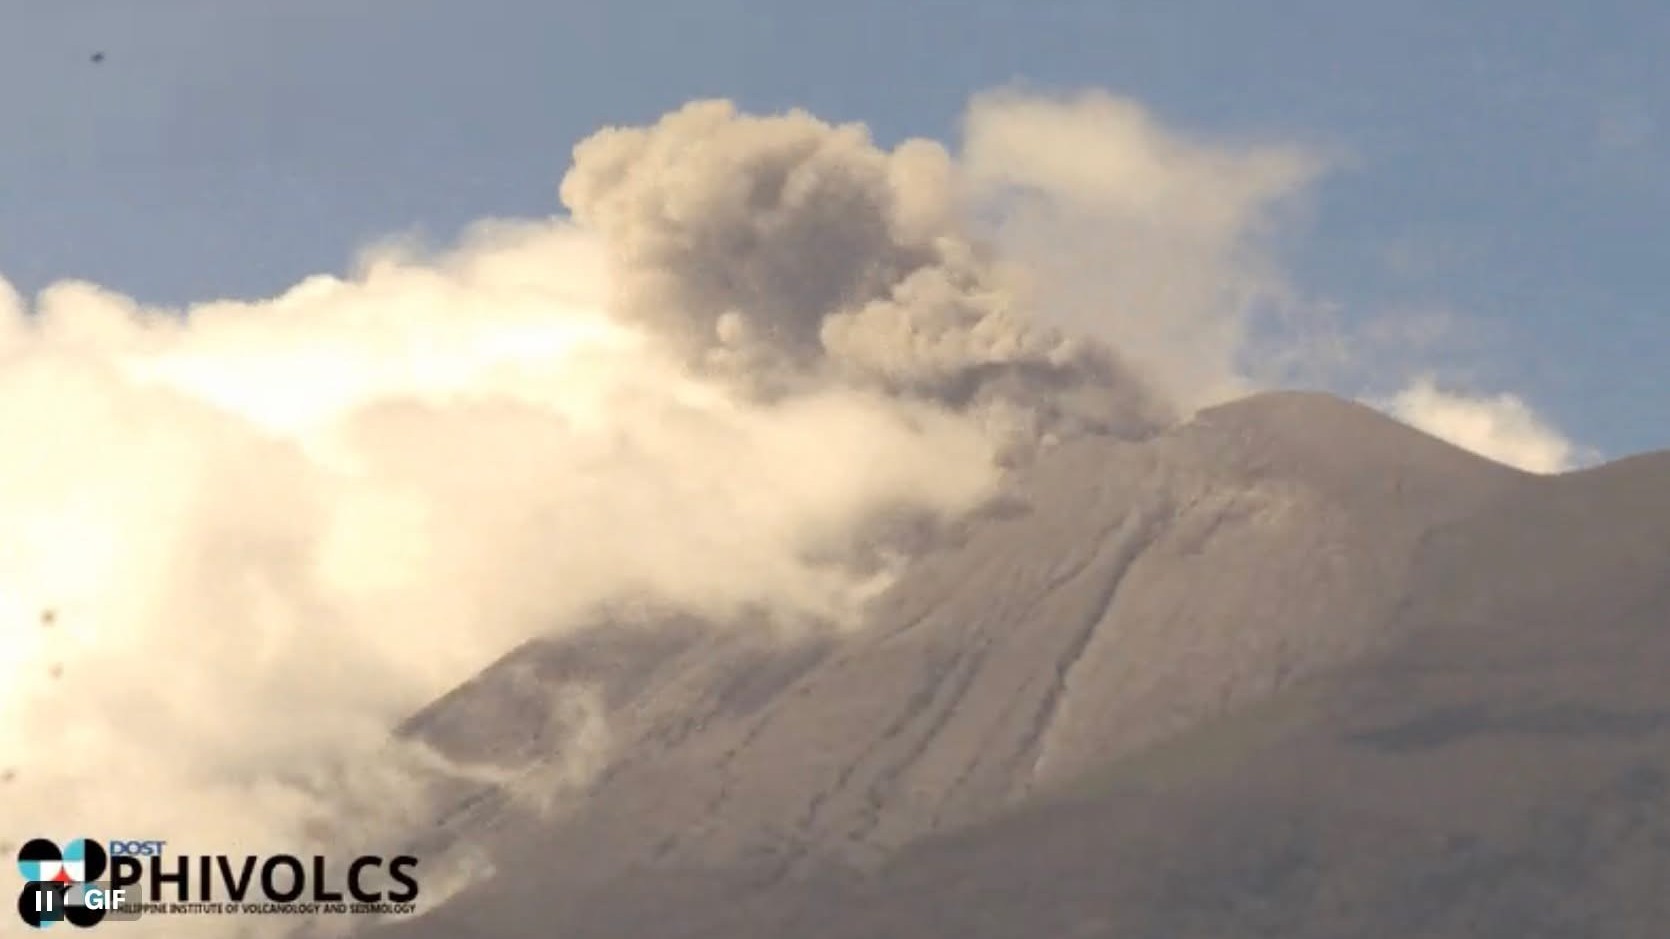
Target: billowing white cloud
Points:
(1501, 427)
(1144, 236)
(268, 531)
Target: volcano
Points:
(1290, 669)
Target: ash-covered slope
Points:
(1119, 595)
(1503, 771)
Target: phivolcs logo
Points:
(85, 882)
(61, 884)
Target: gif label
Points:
(43, 903)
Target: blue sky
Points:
(1504, 162)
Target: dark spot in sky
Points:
(56, 671)
(97, 57)
(48, 617)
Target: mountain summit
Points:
(1288, 669)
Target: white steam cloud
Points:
(1155, 241)
(1501, 427)
(243, 541)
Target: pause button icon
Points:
(41, 903)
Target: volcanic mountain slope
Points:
(1120, 595)
(1502, 771)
